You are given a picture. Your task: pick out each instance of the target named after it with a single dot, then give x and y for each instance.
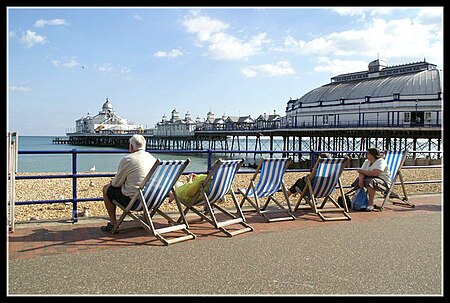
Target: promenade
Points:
(395, 252)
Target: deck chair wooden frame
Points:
(221, 177)
(152, 192)
(321, 183)
(395, 161)
(271, 173)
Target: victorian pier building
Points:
(391, 107)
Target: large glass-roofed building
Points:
(401, 95)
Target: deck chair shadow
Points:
(215, 187)
(321, 183)
(395, 161)
(152, 192)
(271, 173)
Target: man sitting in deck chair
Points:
(151, 194)
(271, 172)
(131, 172)
(213, 189)
(321, 183)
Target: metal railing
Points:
(231, 153)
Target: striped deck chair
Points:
(271, 173)
(395, 161)
(220, 179)
(152, 192)
(321, 183)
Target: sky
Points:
(63, 62)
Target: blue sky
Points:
(65, 62)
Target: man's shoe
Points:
(108, 227)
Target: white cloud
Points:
(68, 63)
(272, 70)
(249, 72)
(106, 68)
(171, 54)
(337, 66)
(363, 11)
(431, 13)
(118, 71)
(138, 18)
(220, 44)
(30, 38)
(52, 22)
(20, 89)
(398, 38)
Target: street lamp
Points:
(417, 120)
(359, 114)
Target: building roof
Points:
(241, 119)
(269, 118)
(422, 82)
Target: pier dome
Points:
(107, 106)
(419, 83)
(382, 95)
(106, 121)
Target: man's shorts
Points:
(115, 193)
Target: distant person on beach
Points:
(132, 170)
(301, 182)
(374, 175)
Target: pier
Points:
(62, 141)
(423, 139)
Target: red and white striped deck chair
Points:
(271, 173)
(395, 161)
(152, 192)
(205, 203)
(321, 183)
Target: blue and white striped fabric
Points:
(223, 179)
(160, 183)
(327, 175)
(394, 160)
(270, 178)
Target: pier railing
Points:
(75, 175)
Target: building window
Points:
(407, 117)
(325, 119)
(396, 96)
(428, 117)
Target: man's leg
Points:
(110, 207)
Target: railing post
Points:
(74, 186)
(313, 159)
(209, 159)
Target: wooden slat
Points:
(240, 231)
(229, 222)
(179, 239)
(280, 219)
(170, 228)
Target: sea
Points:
(103, 162)
(108, 162)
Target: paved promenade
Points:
(395, 252)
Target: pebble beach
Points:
(52, 189)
